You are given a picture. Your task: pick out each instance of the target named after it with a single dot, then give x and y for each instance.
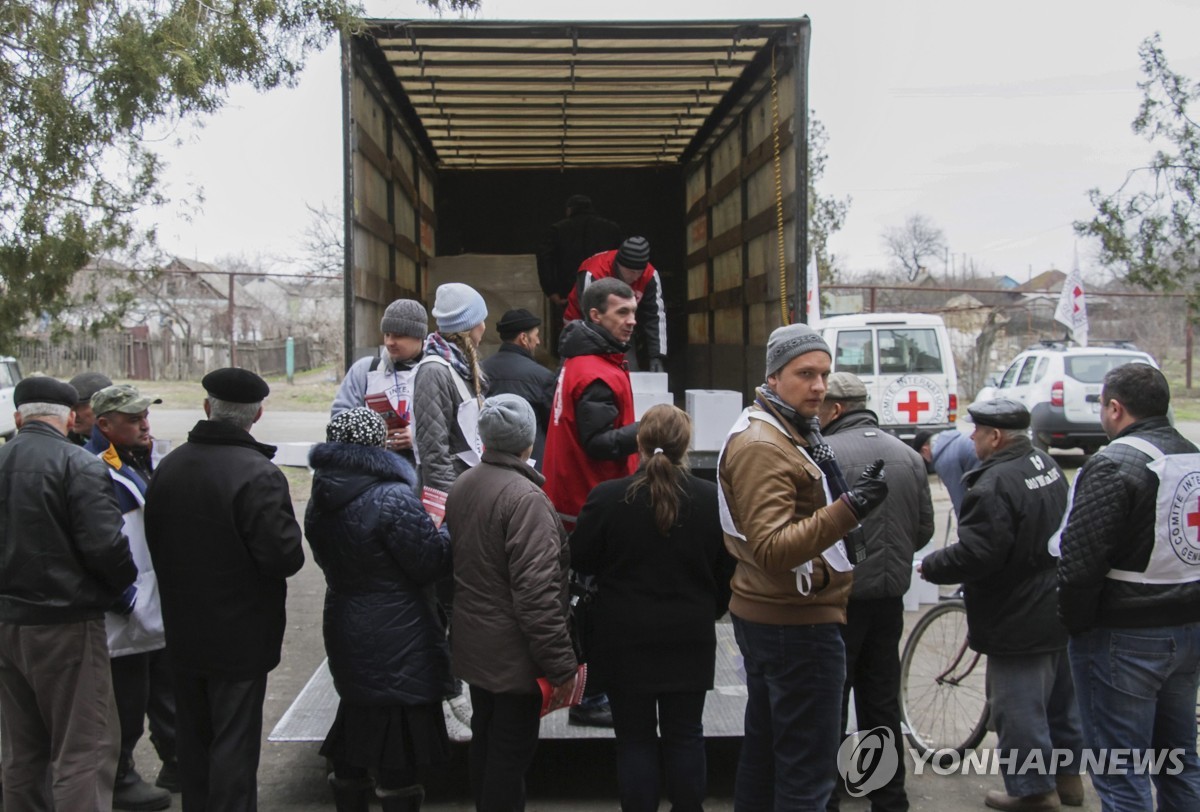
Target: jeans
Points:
(637, 720)
(504, 736)
(1032, 698)
(872, 636)
(794, 677)
(1137, 690)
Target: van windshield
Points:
(1092, 368)
(909, 350)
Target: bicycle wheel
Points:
(942, 691)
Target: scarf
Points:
(810, 430)
(436, 345)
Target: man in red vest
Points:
(592, 435)
(631, 264)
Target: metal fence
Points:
(137, 355)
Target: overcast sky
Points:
(992, 120)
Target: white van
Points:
(906, 363)
(10, 376)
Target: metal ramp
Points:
(311, 714)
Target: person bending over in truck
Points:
(384, 382)
(631, 264)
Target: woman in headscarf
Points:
(380, 553)
(653, 542)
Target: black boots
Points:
(405, 799)
(350, 794)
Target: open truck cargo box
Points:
(465, 138)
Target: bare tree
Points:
(322, 242)
(912, 245)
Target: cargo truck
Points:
(463, 140)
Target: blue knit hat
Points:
(458, 307)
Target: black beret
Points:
(44, 389)
(516, 321)
(1001, 413)
(235, 385)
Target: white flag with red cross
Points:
(813, 305)
(1072, 310)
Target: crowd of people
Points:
(453, 499)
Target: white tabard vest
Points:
(397, 385)
(467, 417)
(1175, 557)
(835, 557)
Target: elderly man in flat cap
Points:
(785, 528)
(902, 525)
(63, 562)
(1014, 503)
(141, 676)
(224, 540)
(512, 370)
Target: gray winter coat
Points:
(436, 434)
(900, 526)
(510, 579)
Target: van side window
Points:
(1027, 371)
(853, 352)
(909, 350)
(1010, 375)
(8, 375)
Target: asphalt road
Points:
(577, 775)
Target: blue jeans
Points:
(1033, 705)
(794, 677)
(1137, 690)
(637, 720)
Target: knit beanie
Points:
(634, 253)
(458, 307)
(405, 317)
(358, 426)
(789, 341)
(507, 424)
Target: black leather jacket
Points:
(63, 557)
(1112, 527)
(1014, 502)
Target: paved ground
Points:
(567, 775)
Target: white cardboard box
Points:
(713, 413)
(293, 454)
(644, 400)
(648, 381)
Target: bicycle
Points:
(942, 692)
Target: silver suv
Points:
(1060, 385)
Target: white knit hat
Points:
(458, 307)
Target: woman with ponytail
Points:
(654, 543)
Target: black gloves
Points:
(868, 492)
(656, 365)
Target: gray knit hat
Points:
(357, 426)
(405, 317)
(507, 424)
(458, 307)
(789, 341)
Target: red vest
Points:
(570, 473)
(599, 266)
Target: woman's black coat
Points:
(380, 553)
(659, 597)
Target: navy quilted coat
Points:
(380, 554)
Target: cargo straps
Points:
(778, 166)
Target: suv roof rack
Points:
(1060, 345)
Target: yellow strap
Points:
(783, 308)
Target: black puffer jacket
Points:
(63, 555)
(1014, 502)
(597, 408)
(904, 522)
(1112, 527)
(380, 553)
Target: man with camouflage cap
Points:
(141, 677)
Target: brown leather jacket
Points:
(510, 579)
(776, 500)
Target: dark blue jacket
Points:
(380, 553)
(513, 371)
